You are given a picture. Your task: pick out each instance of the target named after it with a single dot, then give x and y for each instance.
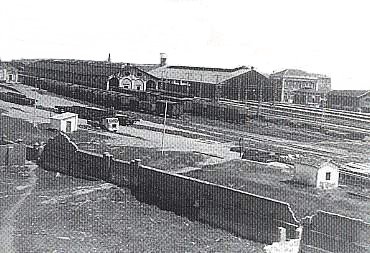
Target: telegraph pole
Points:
(164, 126)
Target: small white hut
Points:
(318, 173)
(65, 122)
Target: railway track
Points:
(344, 121)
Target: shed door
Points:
(69, 126)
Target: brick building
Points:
(288, 81)
(351, 100)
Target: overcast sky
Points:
(323, 36)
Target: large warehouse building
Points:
(240, 83)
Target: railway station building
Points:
(132, 77)
(241, 83)
(350, 100)
(288, 81)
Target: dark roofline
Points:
(208, 68)
(352, 93)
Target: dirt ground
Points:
(74, 215)
(47, 212)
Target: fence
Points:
(247, 215)
(250, 216)
(328, 232)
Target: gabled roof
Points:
(198, 74)
(350, 93)
(297, 73)
(6, 65)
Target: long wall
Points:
(328, 232)
(247, 215)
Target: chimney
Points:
(163, 59)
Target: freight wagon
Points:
(16, 98)
(174, 109)
(214, 110)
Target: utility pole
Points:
(34, 107)
(164, 126)
(259, 100)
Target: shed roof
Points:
(65, 115)
(198, 74)
(313, 162)
(350, 93)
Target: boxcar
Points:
(174, 109)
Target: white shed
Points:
(65, 122)
(319, 173)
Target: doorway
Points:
(69, 127)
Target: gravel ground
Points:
(65, 214)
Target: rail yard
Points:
(250, 146)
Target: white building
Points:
(8, 74)
(317, 173)
(65, 122)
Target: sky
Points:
(320, 36)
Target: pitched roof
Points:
(198, 74)
(6, 65)
(297, 73)
(349, 93)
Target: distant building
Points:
(8, 74)
(133, 78)
(309, 97)
(350, 100)
(65, 122)
(288, 81)
(240, 83)
(318, 173)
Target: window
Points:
(327, 176)
(127, 73)
(138, 87)
(139, 74)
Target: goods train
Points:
(16, 98)
(152, 102)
